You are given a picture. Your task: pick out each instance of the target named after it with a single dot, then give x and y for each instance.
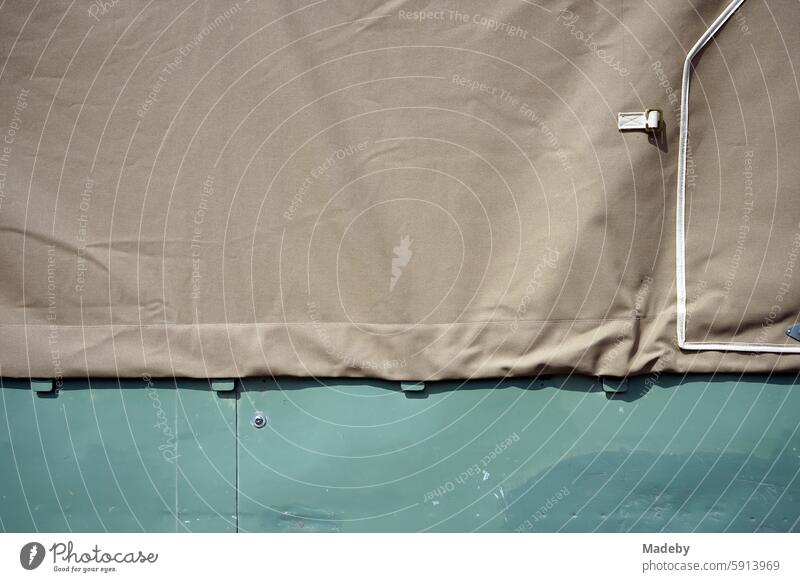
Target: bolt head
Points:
(259, 420)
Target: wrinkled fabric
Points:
(402, 190)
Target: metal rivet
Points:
(259, 420)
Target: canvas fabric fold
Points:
(400, 190)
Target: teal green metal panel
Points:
(127, 456)
(676, 454)
(555, 454)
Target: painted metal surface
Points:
(522, 455)
(546, 454)
(136, 455)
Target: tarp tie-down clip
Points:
(222, 384)
(43, 385)
(613, 385)
(649, 120)
(412, 386)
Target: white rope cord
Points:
(680, 228)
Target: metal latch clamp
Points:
(649, 120)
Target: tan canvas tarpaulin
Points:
(407, 190)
